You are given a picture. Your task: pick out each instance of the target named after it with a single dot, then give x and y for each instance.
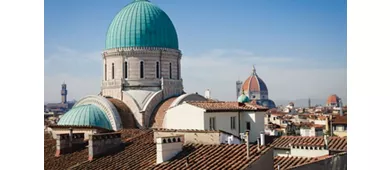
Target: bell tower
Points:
(64, 92)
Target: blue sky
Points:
(298, 46)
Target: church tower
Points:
(64, 92)
(238, 88)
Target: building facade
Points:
(141, 67)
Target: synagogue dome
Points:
(141, 24)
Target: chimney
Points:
(326, 141)
(103, 144)
(207, 94)
(247, 144)
(70, 136)
(262, 138)
(67, 144)
(168, 147)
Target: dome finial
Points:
(253, 69)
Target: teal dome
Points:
(86, 115)
(141, 24)
(243, 99)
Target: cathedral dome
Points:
(243, 99)
(141, 24)
(253, 84)
(332, 100)
(86, 115)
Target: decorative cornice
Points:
(138, 50)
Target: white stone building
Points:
(232, 117)
(141, 66)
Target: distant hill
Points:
(304, 102)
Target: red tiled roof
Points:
(71, 159)
(225, 106)
(222, 156)
(335, 143)
(157, 121)
(139, 153)
(292, 161)
(340, 120)
(127, 117)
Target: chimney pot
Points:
(247, 144)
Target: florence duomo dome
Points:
(255, 89)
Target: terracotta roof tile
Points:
(225, 106)
(139, 153)
(335, 143)
(292, 161)
(341, 120)
(71, 159)
(213, 157)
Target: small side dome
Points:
(266, 103)
(243, 99)
(86, 115)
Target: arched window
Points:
(170, 70)
(141, 69)
(157, 69)
(125, 69)
(112, 71)
(178, 69)
(105, 71)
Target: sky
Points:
(299, 47)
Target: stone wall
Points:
(66, 143)
(150, 106)
(103, 144)
(209, 138)
(133, 57)
(128, 100)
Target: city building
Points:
(232, 117)
(64, 106)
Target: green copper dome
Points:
(141, 24)
(243, 99)
(86, 115)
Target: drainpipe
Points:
(239, 122)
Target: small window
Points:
(105, 71)
(212, 123)
(248, 125)
(126, 70)
(157, 69)
(254, 96)
(233, 122)
(274, 118)
(112, 71)
(141, 69)
(170, 70)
